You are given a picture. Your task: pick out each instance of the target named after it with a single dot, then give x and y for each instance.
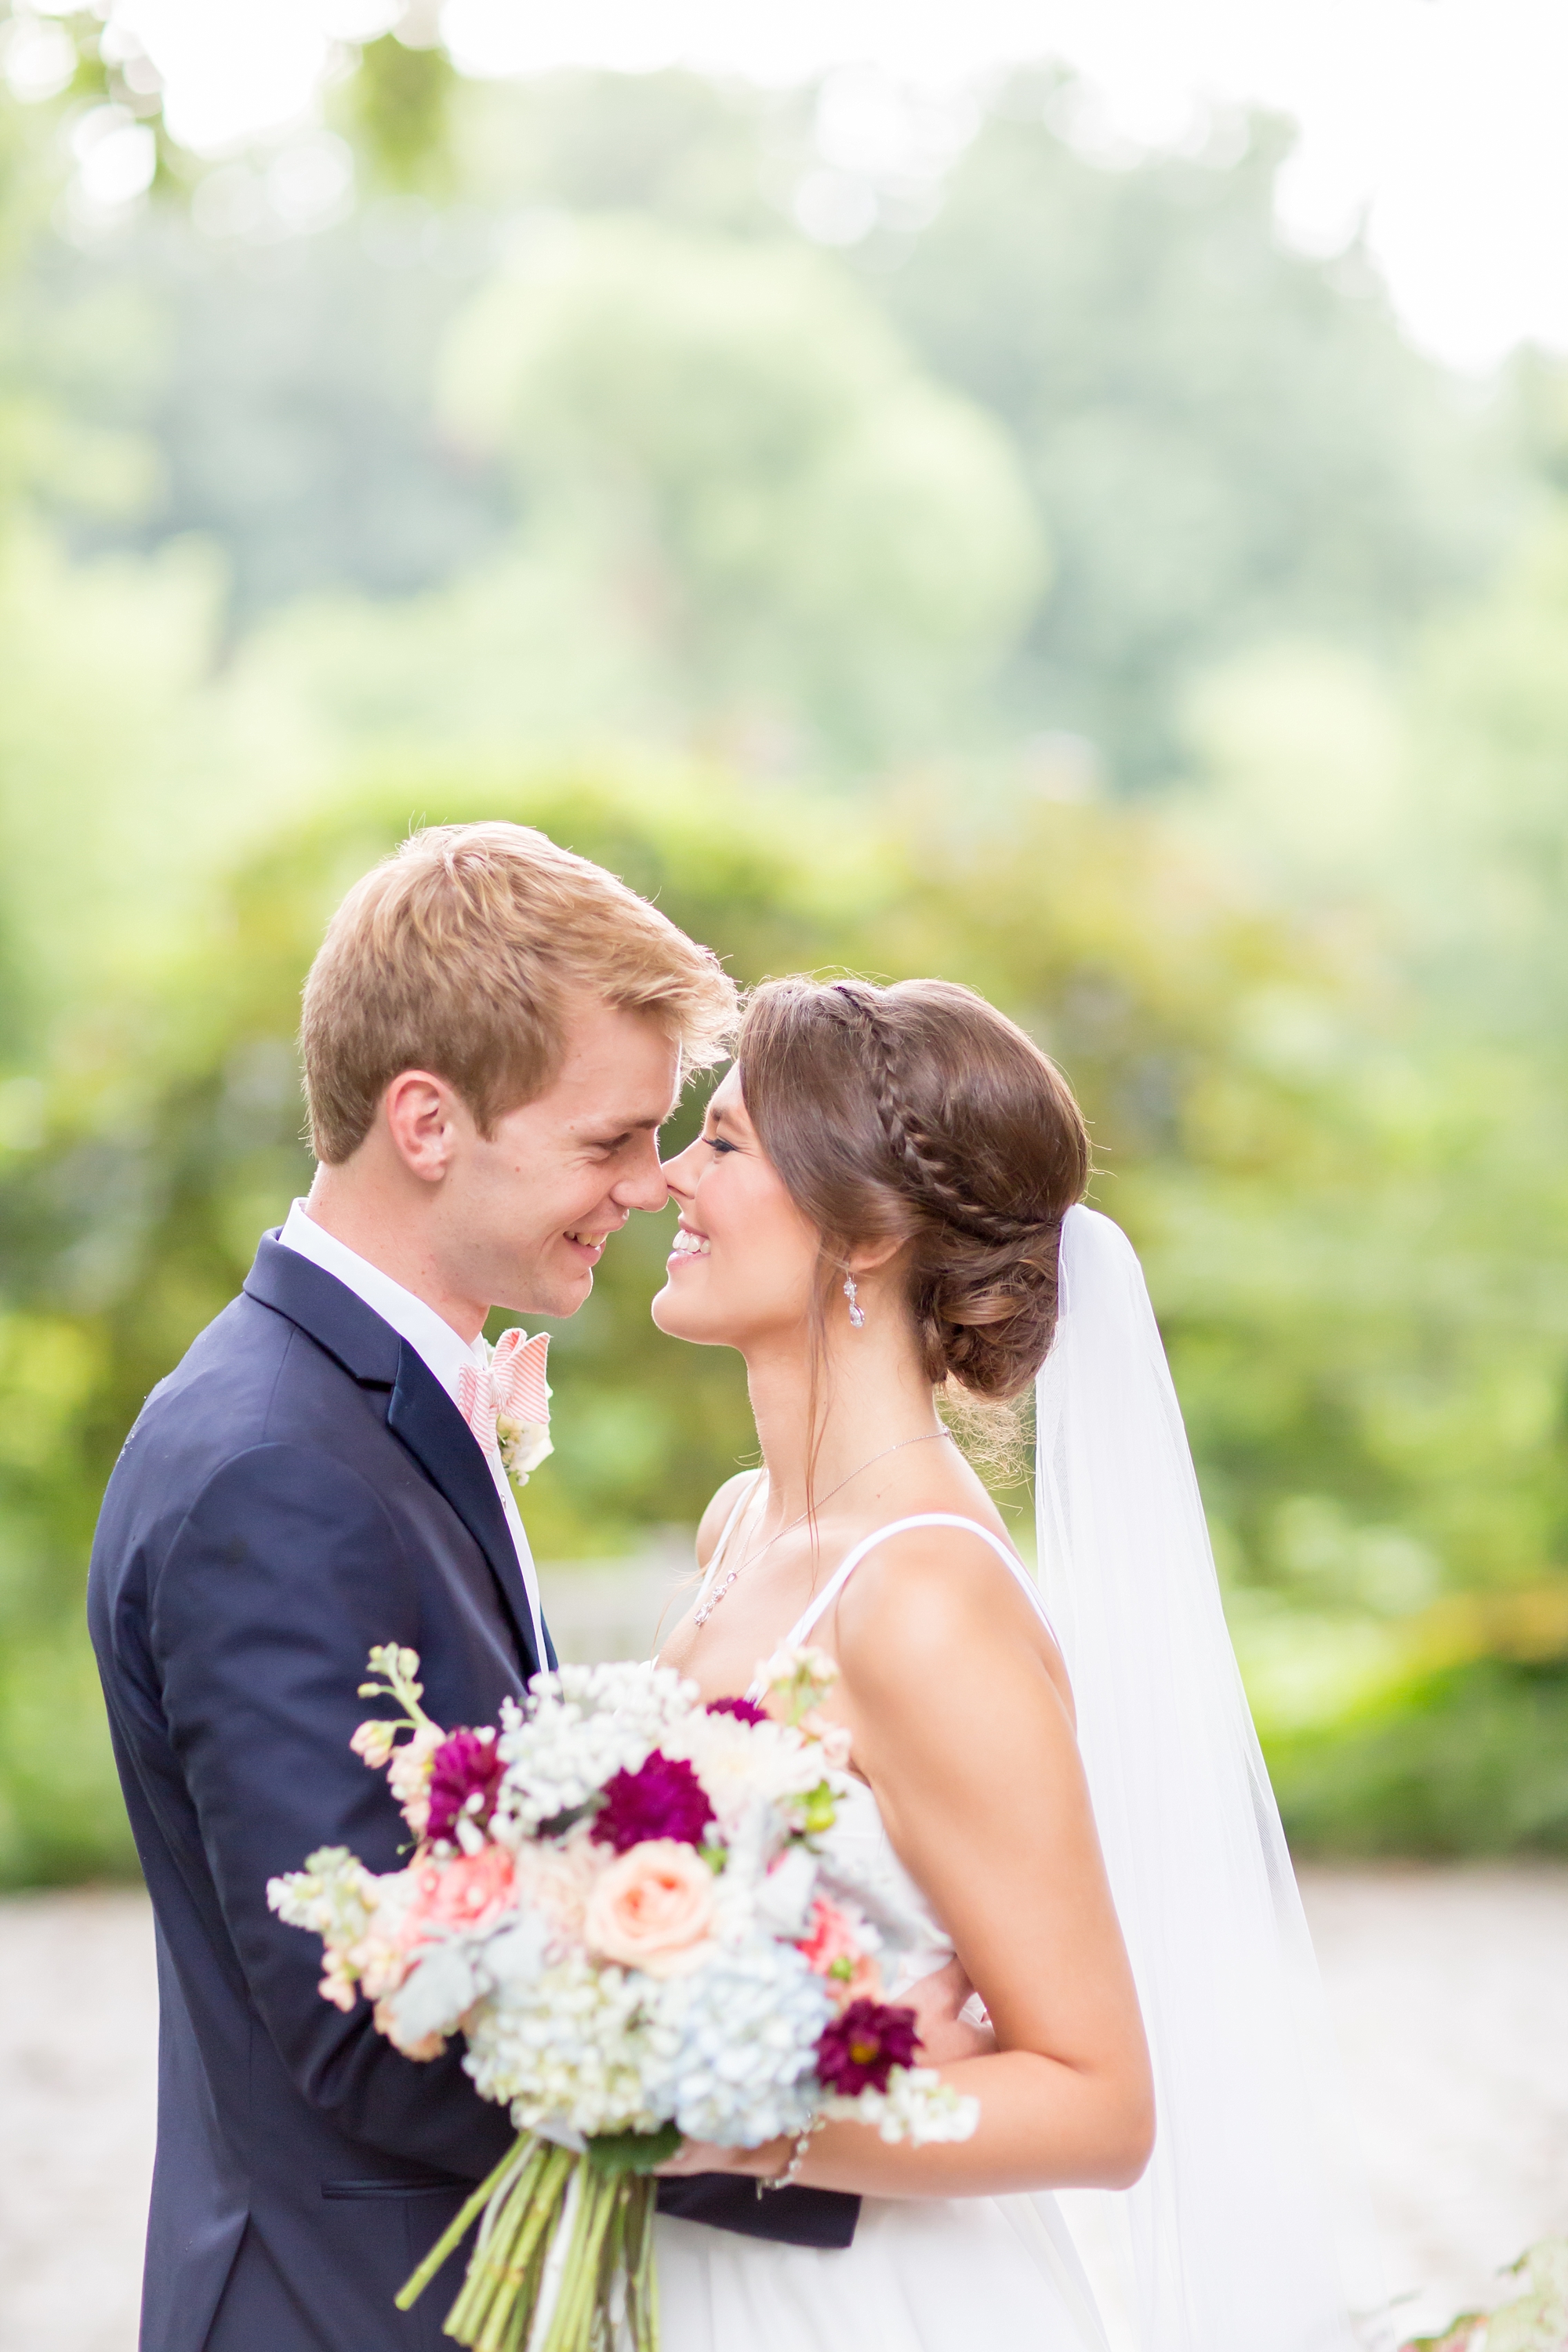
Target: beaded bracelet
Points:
(791, 2173)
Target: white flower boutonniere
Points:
(506, 1403)
(522, 1402)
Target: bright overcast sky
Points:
(1442, 122)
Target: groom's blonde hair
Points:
(460, 954)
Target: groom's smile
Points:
(583, 1155)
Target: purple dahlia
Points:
(662, 1799)
(465, 1778)
(742, 1709)
(859, 2049)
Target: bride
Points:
(881, 1204)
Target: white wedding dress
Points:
(927, 2274)
(1247, 2232)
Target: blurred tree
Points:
(804, 530)
(1227, 440)
(398, 108)
(1224, 440)
(670, 146)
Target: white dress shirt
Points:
(434, 1339)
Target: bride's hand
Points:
(764, 2163)
(946, 2034)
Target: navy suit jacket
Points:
(299, 1488)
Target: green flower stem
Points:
(525, 2193)
(608, 2265)
(502, 2286)
(454, 2236)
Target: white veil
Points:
(1245, 2235)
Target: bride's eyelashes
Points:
(717, 1143)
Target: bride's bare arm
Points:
(961, 1721)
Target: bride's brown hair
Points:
(920, 1112)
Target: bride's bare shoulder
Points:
(928, 1597)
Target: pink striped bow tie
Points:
(511, 1391)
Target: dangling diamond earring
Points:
(857, 1313)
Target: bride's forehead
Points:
(728, 1100)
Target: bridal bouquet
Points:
(634, 1909)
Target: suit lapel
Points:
(423, 1415)
(419, 1412)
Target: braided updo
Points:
(920, 1112)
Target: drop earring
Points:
(856, 1312)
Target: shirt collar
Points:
(443, 1349)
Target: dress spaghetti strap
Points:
(716, 1558)
(804, 1626)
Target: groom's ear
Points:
(425, 1121)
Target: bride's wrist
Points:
(764, 2163)
(784, 2174)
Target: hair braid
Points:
(920, 1114)
(912, 1147)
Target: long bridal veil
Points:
(1245, 2235)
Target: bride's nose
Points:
(677, 1173)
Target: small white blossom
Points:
(333, 1897)
(584, 1723)
(916, 2105)
(740, 1763)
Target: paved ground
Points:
(1447, 1985)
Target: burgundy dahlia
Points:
(663, 1798)
(859, 2049)
(465, 1778)
(742, 1709)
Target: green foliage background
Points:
(1067, 588)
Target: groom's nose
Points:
(642, 1184)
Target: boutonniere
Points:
(522, 1401)
(509, 1404)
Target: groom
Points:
(493, 1032)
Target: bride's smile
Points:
(743, 1260)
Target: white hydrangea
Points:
(584, 1724)
(572, 2045)
(745, 2031)
(916, 2105)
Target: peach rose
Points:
(470, 1892)
(652, 1909)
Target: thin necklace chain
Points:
(700, 1616)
